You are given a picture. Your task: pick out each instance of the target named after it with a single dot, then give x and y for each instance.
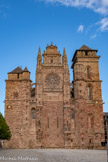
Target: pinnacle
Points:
(39, 51)
(64, 58)
(64, 52)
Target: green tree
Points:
(5, 133)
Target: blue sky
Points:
(27, 24)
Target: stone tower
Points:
(87, 98)
(18, 87)
(52, 112)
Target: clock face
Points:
(52, 80)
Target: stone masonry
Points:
(52, 112)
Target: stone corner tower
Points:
(17, 97)
(87, 97)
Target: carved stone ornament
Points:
(9, 107)
(52, 80)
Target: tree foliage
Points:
(5, 133)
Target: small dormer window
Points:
(51, 60)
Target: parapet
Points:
(19, 74)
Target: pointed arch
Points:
(90, 121)
(89, 89)
(33, 113)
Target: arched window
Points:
(88, 72)
(47, 122)
(57, 122)
(90, 122)
(89, 92)
(33, 113)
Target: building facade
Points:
(52, 112)
(106, 126)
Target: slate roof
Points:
(84, 47)
(18, 70)
(26, 70)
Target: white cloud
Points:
(100, 6)
(103, 24)
(93, 36)
(80, 28)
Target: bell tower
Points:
(86, 75)
(87, 96)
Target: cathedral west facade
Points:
(52, 112)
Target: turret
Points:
(26, 74)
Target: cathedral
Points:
(54, 112)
